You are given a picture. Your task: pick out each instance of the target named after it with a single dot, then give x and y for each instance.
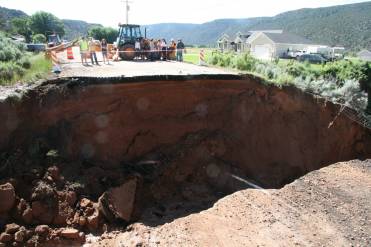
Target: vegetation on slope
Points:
(18, 65)
(347, 25)
(338, 81)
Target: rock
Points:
(30, 243)
(54, 173)
(84, 203)
(43, 212)
(119, 202)
(22, 205)
(82, 221)
(11, 228)
(82, 237)
(71, 198)
(20, 236)
(70, 233)
(17, 244)
(64, 212)
(6, 237)
(27, 216)
(7, 197)
(42, 230)
(93, 221)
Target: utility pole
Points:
(127, 9)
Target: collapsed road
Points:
(86, 155)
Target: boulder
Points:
(7, 197)
(11, 228)
(42, 230)
(118, 203)
(43, 212)
(70, 233)
(20, 236)
(6, 237)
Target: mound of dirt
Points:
(329, 207)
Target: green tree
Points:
(22, 26)
(99, 33)
(2, 23)
(46, 23)
(39, 38)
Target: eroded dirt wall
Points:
(269, 134)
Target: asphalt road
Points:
(74, 68)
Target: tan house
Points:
(276, 44)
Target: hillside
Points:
(347, 25)
(6, 15)
(74, 28)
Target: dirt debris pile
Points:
(83, 156)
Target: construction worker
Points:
(84, 47)
(180, 49)
(93, 54)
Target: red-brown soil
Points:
(91, 155)
(329, 207)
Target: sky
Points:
(111, 12)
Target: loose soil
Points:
(83, 156)
(329, 207)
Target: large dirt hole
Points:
(154, 149)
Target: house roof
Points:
(288, 38)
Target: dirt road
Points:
(329, 207)
(74, 68)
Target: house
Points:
(238, 44)
(274, 44)
(364, 55)
(224, 43)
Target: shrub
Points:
(14, 60)
(337, 81)
(24, 62)
(10, 70)
(245, 62)
(39, 39)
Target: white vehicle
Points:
(296, 54)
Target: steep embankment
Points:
(136, 142)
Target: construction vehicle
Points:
(125, 43)
(54, 40)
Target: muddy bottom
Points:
(87, 155)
